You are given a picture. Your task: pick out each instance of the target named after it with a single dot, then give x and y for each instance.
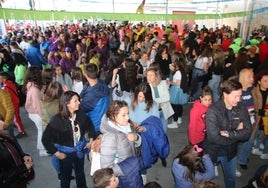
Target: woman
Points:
(163, 58)
(66, 136)
(216, 70)
(141, 105)
(124, 79)
(33, 85)
(16, 167)
(260, 93)
(160, 94)
(199, 72)
(118, 145)
(190, 166)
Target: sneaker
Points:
(43, 153)
(244, 166)
(179, 121)
(261, 146)
(144, 179)
(216, 171)
(21, 135)
(173, 125)
(264, 156)
(256, 151)
(237, 173)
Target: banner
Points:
(19, 14)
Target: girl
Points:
(197, 124)
(77, 78)
(190, 166)
(33, 85)
(179, 80)
(63, 78)
(67, 62)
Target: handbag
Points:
(177, 96)
(95, 162)
(265, 125)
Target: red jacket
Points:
(196, 127)
(225, 44)
(263, 51)
(11, 88)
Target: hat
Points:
(68, 49)
(252, 49)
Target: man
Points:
(227, 123)
(11, 88)
(34, 55)
(6, 111)
(94, 96)
(246, 78)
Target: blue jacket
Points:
(132, 178)
(35, 57)
(154, 142)
(91, 103)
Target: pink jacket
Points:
(33, 98)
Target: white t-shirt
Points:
(177, 76)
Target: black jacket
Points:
(217, 120)
(59, 131)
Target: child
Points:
(64, 79)
(105, 178)
(197, 127)
(179, 80)
(77, 77)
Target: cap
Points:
(68, 49)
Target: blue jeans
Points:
(228, 168)
(196, 73)
(164, 121)
(244, 152)
(214, 85)
(66, 166)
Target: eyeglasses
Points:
(75, 126)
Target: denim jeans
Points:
(244, 152)
(66, 166)
(164, 121)
(228, 168)
(214, 85)
(198, 87)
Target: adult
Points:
(118, 143)
(227, 123)
(16, 166)
(191, 165)
(34, 56)
(94, 96)
(260, 93)
(246, 78)
(66, 136)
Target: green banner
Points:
(19, 14)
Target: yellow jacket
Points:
(6, 108)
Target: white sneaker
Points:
(144, 179)
(43, 153)
(172, 125)
(237, 173)
(216, 171)
(261, 146)
(264, 156)
(256, 151)
(179, 121)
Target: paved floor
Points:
(46, 176)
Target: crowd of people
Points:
(118, 88)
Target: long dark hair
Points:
(64, 100)
(131, 74)
(33, 74)
(146, 90)
(192, 160)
